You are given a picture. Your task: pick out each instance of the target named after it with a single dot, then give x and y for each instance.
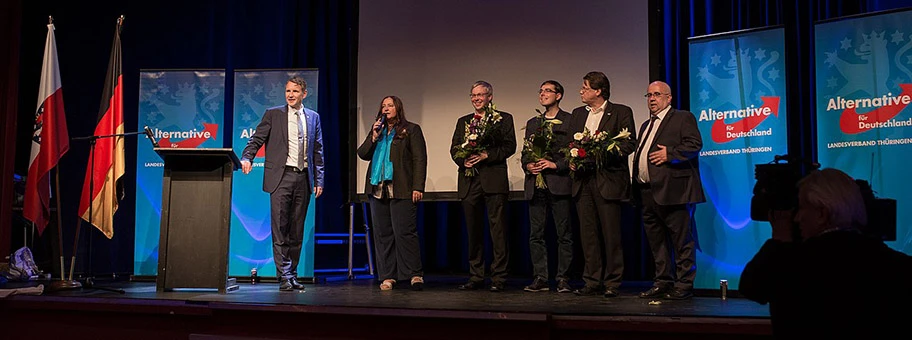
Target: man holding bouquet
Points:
(548, 186)
(601, 180)
(482, 142)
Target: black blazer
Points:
(558, 180)
(408, 153)
(678, 180)
(492, 171)
(613, 177)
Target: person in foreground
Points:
(667, 186)
(599, 189)
(553, 192)
(481, 144)
(832, 281)
(395, 184)
(293, 166)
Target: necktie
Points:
(300, 140)
(636, 159)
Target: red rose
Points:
(581, 153)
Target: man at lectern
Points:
(293, 170)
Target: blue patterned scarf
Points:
(381, 166)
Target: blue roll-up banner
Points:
(185, 109)
(250, 244)
(864, 88)
(738, 95)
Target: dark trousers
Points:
(538, 220)
(289, 208)
(396, 238)
(473, 206)
(668, 229)
(600, 237)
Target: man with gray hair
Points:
(832, 281)
(483, 184)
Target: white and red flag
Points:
(50, 139)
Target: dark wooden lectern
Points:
(195, 219)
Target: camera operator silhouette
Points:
(828, 279)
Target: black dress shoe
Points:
(538, 285)
(611, 292)
(588, 290)
(286, 286)
(678, 294)
(295, 284)
(471, 285)
(654, 292)
(497, 287)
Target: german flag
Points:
(102, 187)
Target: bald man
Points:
(666, 182)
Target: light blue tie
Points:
(300, 140)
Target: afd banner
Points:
(251, 234)
(864, 88)
(184, 109)
(738, 95)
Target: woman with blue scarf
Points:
(395, 183)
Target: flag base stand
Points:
(59, 285)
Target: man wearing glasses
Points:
(666, 181)
(554, 195)
(486, 188)
(598, 189)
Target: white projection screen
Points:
(428, 53)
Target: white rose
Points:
(473, 136)
(574, 152)
(578, 136)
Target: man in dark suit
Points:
(293, 166)
(487, 189)
(556, 194)
(599, 189)
(667, 185)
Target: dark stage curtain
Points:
(10, 15)
(169, 34)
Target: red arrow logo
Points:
(724, 133)
(194, 142)
(848, 122)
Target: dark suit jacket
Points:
(408, 153)
(613, 176)
(678, 180)
(273, 131)
(558, 180)
(492, 172)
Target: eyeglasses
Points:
(546, 91)
(586, 89)
(655, 94)
(478, 95)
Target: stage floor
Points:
(439, 300)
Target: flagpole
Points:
(64, 283)
(59, 224)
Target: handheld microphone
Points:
(151, 136)
(382, 119)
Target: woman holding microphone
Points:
(395, 181)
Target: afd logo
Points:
(726, 88)
(186, 139)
